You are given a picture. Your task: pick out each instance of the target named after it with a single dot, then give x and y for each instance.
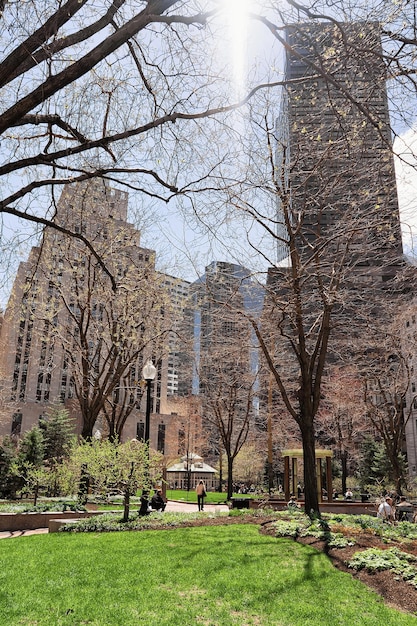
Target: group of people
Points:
(390, 511)
(158, 501)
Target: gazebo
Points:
(194, 469)
(291, 472)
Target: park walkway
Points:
(172, 506)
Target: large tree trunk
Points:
(112, 432)
(87, 431)
(127, 492)
(220, 488)
(397, 476)
(310, 474)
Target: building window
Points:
(140, 431)
(17, 423)
(46, 387)
(161, 438)
(39, 387)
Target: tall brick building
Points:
(62, 317)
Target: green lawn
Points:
(213, 576)
(213, 497)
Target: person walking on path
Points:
(201, 494)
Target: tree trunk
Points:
(229, 477)
(398, 476)
(344, 463)
(83, 485)
(220, 489)
(112, 432)
(310, 474)
(87, 431)
(126, 504)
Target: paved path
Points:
(172, 505)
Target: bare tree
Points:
(341, 420)
(229, 402)
(387, 386)
(227, 365)
(113, 90)
(329, 204)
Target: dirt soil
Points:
(396, 593)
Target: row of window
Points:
(140, 435)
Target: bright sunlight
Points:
(237, 21)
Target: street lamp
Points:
(148, 374)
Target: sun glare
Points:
(237, 22)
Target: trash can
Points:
(364, 497)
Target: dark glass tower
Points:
(336, 141)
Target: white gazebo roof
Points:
(195, 465)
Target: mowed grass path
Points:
(213, 576)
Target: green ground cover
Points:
(213, 576)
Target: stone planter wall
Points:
(32, 521)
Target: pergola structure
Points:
(291, 472)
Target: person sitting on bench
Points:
(157, 502)
(404, 510)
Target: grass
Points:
(209, 576)
(182, 495)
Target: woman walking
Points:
(201, 494)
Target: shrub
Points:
(374, 560)
(111, 522)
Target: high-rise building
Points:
(215, 319)
(335, 142)
(177, 296)
(219, 357)
(68, 332)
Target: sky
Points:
(247, 45)
(406, 146)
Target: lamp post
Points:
(148, 373)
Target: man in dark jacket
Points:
(157, 502)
